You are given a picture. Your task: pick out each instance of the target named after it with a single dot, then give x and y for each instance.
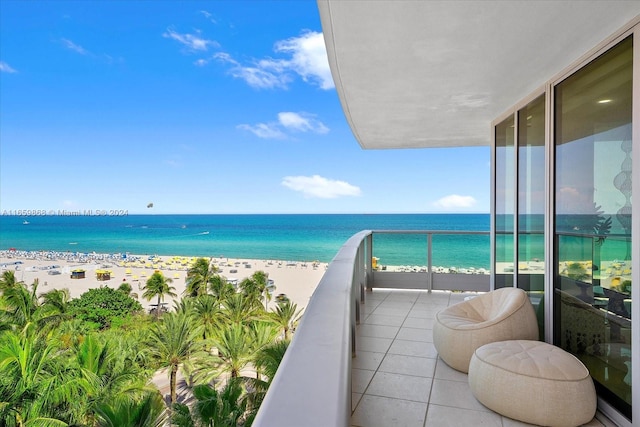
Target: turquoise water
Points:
(283, 237)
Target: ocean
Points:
(304, 237)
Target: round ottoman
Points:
(534, 382)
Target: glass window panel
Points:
(531, 203)
(592, 265)
(504, 203)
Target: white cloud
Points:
(74, 47)
(193, 42)
(301, 122)
(260, 78)
(256, 77)
(6, 68)
(105, 58)
(287, 121)
(455, 201)
(308, 59)
(200, 62)
(264, 130)
(209, 16)
(320, 187)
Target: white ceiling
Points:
(436, 73)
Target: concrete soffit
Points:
(413, 74)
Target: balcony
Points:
(363, 354)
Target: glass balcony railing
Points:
(313, 384)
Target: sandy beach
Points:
(296, 279)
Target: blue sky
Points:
(197, 107)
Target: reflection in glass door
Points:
(592, 259)
(504, 203)
(531, 204)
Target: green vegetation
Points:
(89, 361)
(101, 306)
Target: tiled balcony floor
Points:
(397, 377)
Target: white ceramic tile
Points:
(355, 399)
(413, 348)
(423, 313)
(408, 365)
(392, 311)
(400, 386)
(377, 345)
(367, 309)
(379, 331)
(379, 319)
(414, 322)
(444, 416)
(376, 294)
(407, 305)
(508, 422)
(446, 372)
(456, 394)
(367, 360)
(404, 297)
(376, 411)
(360, 379)
(432, 306)
(415, 334)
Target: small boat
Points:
(25, 222)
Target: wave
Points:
(204, 233)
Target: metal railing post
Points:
(429, 262)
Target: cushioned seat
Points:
(533, 382)
(500, 315)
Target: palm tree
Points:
(158, 286)
(126, 289)
(21, 304)
(199, 275)
(54, 306)
(268, 358)
(148, 412)
(234, 348)
(208, 314)
(110, 367)
(286, 317)
(181, 416)
(262, 333)
(220, 288)
(223, 408)
(239, 309)
(8, 280)
(35, 387)
(256, 286)
(266, 361)
(173, 342)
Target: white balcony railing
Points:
(313, 384)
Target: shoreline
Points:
(297, 279)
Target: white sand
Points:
(297, 280)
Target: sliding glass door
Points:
(592, 239)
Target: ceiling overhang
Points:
(429, 73)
